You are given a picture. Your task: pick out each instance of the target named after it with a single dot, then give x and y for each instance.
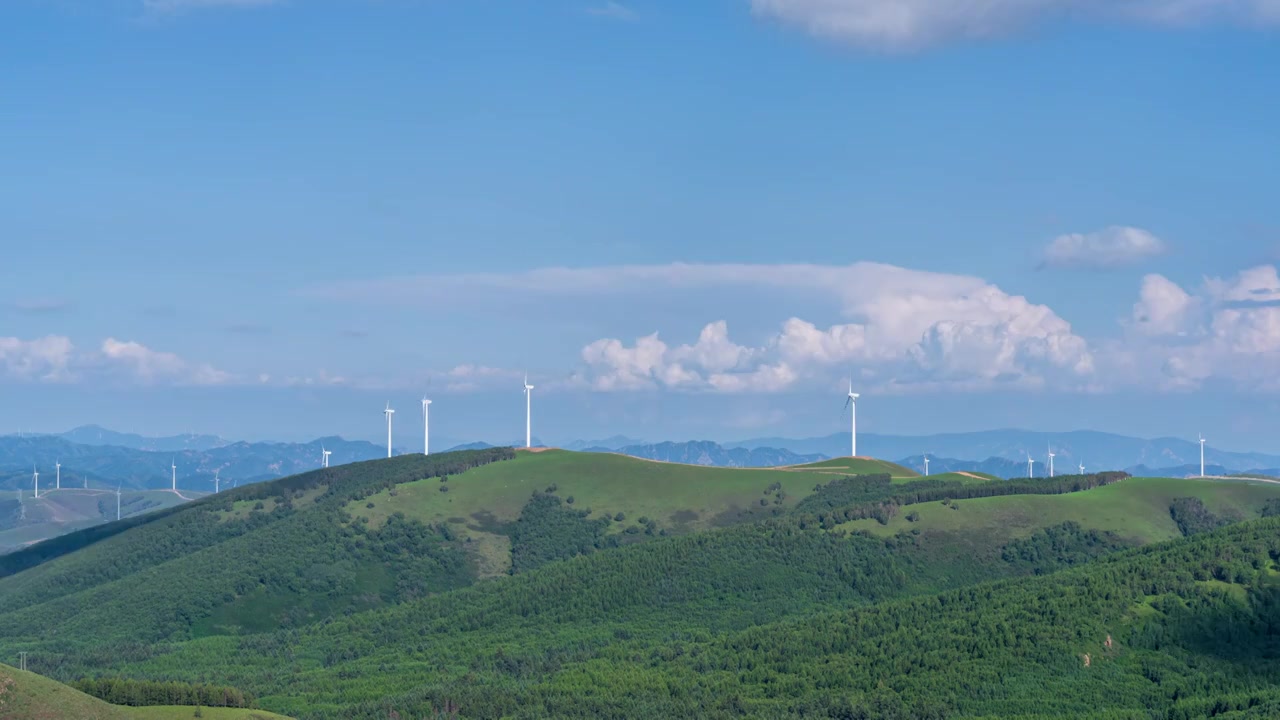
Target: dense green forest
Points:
(278, 591)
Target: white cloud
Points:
(1230, 331)
(152, 366)
(1163, 308)
(911, 24)
(1115, 246)
(903, 324)
(46, 359)
(910, 326)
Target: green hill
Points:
(57, 512)
(859, 466)
(1136, 509)
(27, 696)
(356, 591)
(353, 538)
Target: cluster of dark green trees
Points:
(140, 693)
(875, 496)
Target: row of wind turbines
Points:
(850, 405)
(426, 423)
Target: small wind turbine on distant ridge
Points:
(926, 465)
(1031, 466)
(57, 468)
(35, 478)
(1081, 467)
(528, 412)
(324, 456)
(216, 482)
(388, 412)
(1202, 455)
(117, 502)
(1050, 449)
(851, 404)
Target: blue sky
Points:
(266, 219)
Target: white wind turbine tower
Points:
(426, 426)
(528, 412)
(1202, 455)
(388, 412)
(57, 468)
(173, 465)
(216, 483)
(1050, 450)
(35, 477)
(852, 404)
(1081, 467)
(926, 465)
(117, 502)
(1031, 466)
(324, 456)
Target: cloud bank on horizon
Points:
(901, 330)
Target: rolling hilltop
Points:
(620, 587)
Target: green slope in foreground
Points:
(28, 696)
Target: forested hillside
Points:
(642, 589)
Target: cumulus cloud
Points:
(913, 24)
(46, 359)
(909, 326)
(1115, 246)
(1230, 330)
(1163, 308)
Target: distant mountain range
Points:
(108, 458)
(97, 435)
(110, 466)
(1097, 450)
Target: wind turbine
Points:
(426, 426)
(1031, 463)
(926, 465)
(35, 477)
(173, 465)
(216, 482)
(528, 412)
(1081, 467)
(1050, 449)
(852, 405)
(388, 412)
(324, 456)
(117, 502)
(57, 467)
(1201, 455)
